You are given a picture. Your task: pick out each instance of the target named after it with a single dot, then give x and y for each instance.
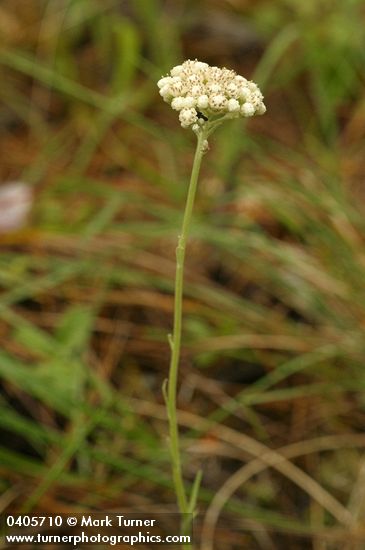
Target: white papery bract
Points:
(202, 93)
(187, 117)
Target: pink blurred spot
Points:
(16, 199)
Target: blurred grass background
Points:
(275, 300)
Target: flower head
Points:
(205, 94)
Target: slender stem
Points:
(175, 342)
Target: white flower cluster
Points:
(201, 92)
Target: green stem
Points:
(175, 342)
